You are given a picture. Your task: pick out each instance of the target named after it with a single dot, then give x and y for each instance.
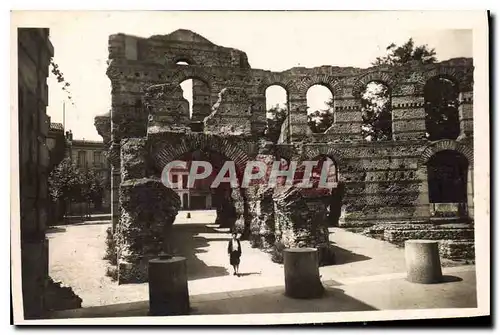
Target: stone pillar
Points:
(423, 264)
(301, 221)
(470, 193)
(259, 117)
(201, 101)
(347, 119)
(298, 117)
(302, 273)
(148, 210)
(408, 118)
(168, 286)
(422, 204)
(114, 155)
(465, 115)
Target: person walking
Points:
(234, 251)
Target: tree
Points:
(92, 187)
(376, 113)
(275, 118)
(320, 120)
(68, 184)
(65, 184)
(406, 53)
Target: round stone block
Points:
(302, 273)
(168, 286)
(423, 264)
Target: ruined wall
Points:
(34, 53)
(385, 182)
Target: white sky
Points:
(272, 40)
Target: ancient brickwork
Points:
(383, 182)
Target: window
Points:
(97, 158)
(319, 108)
(82, 161)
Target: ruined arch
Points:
(165, 153)
(442, 145)
(183, 58)
(191, 72)
(332, 153)
(384, 78)
(329, 82)
(274, 79)
(449, 73)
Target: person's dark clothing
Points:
(234, 255)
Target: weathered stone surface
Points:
(301, 221)
(134, 158)
(148, 210)
(302, 278)
(457, 249)
(423, 264)
(230, 114)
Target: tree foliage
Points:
(406, 53)
(275, 118)
(320, 120)
(441, 109)
(67, 183)
(376, 113)
(60, 79)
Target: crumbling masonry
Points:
(385, 184)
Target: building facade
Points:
(86, 155)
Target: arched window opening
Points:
(197, 93)
(319, 108)
(441, 109)
(276, 111)
(447, 178)
(376, 112)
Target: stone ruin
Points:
(383, 185)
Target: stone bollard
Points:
(423, 265)
(168, 288)
(302, 273)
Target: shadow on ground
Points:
(244, 274)
(451, 279)
(188, 243)
(260, 300)
(344, 256)
(275, 301)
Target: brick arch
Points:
(168, 152)
(274, 79)
(442, 145)
(333, 84)
(286, 152)
(385, 78)
(444, 72)
(335, 154)
(183, 58)
(191, 72)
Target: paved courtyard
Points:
(76, 253)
